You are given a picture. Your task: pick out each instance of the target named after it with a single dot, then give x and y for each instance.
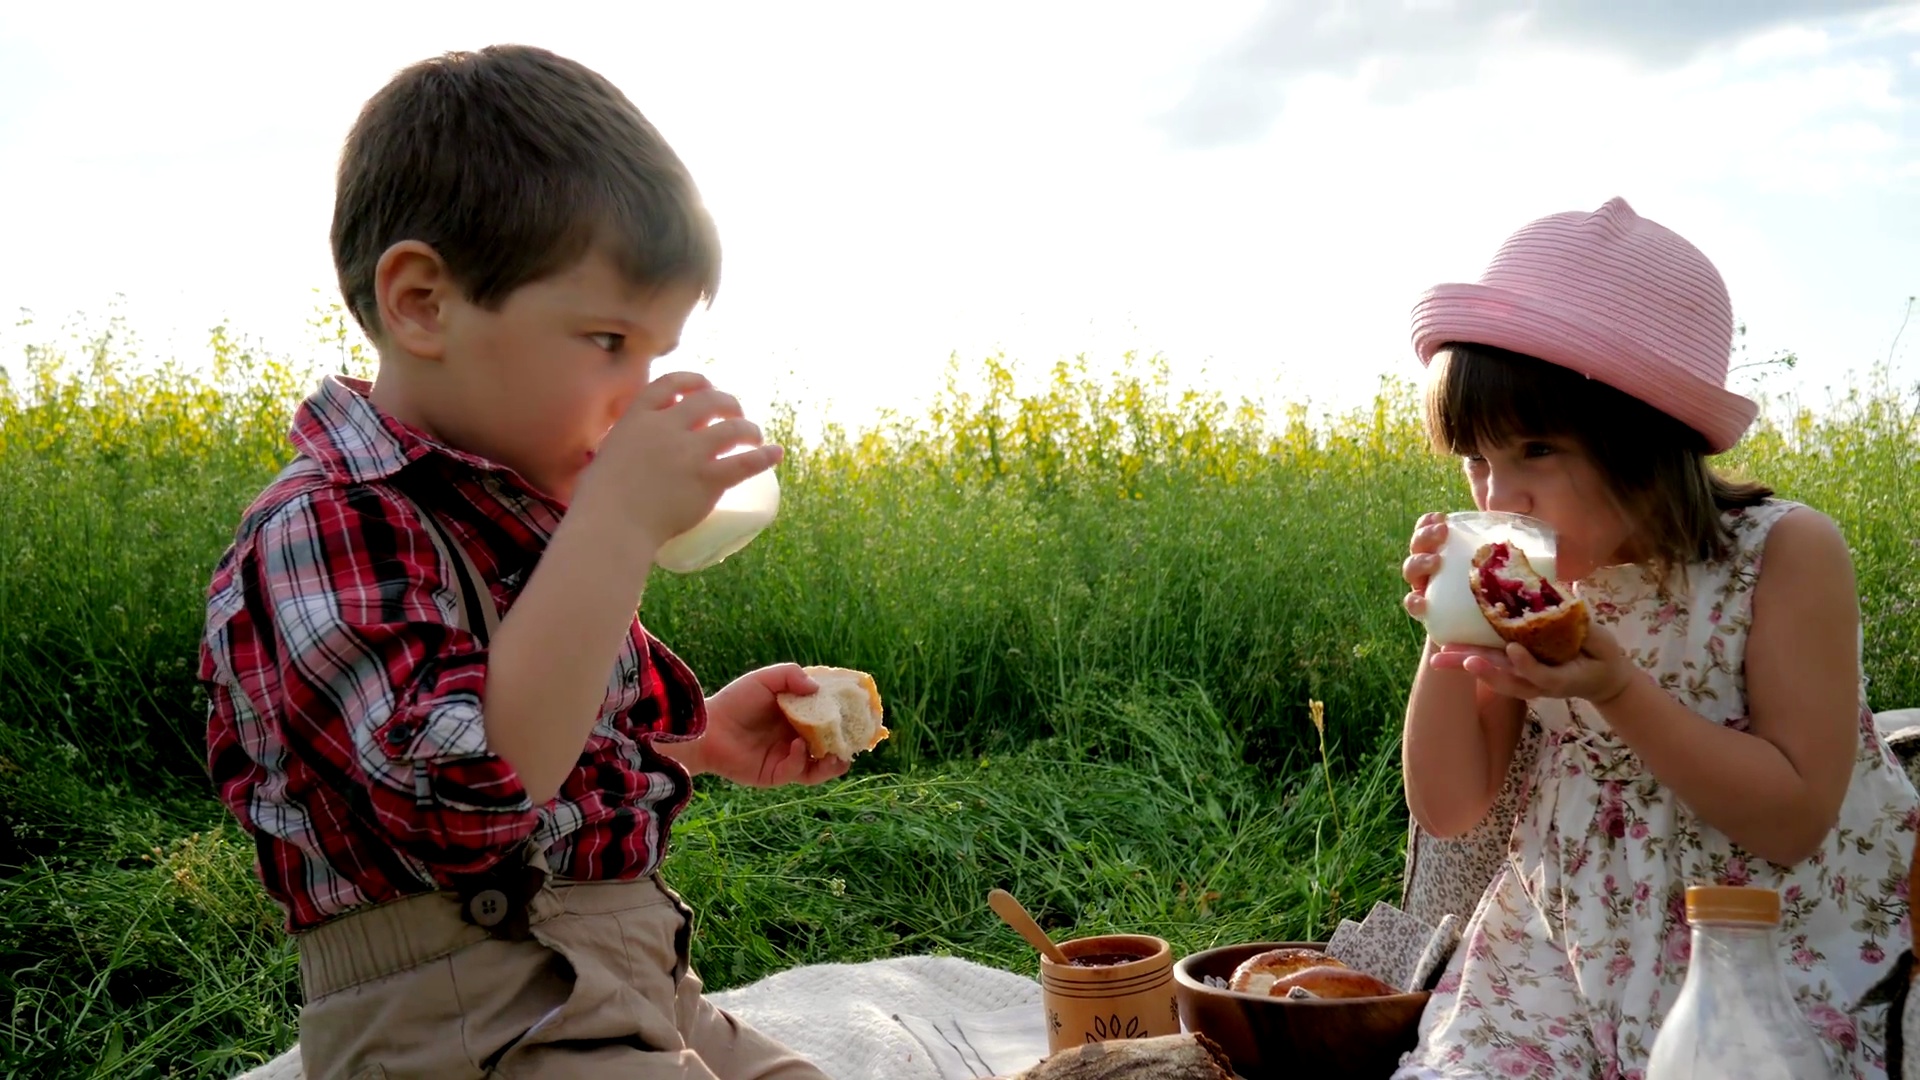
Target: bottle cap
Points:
(1732, 903)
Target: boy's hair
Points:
(1655, 466)
(513, 163)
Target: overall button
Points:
(488, 907)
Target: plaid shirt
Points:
(345, 729)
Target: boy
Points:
(434, 707)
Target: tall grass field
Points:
(1101, 610)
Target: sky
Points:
(1256, 189)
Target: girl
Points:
(1715, 729)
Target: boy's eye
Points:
(609, 342)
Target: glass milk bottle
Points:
(1735, 1016)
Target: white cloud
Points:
(1425, 47)
(1785, 43)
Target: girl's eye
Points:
(1538, 449)
(609, 342)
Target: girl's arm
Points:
(1776, 789)
(1458, 743)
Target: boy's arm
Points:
(557, 645)
(372, 681)
(659, 471)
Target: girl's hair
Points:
(1655, 466)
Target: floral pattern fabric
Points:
(1579, 945)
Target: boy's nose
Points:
(619, 404)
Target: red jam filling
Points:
(1512, 597)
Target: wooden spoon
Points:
(1010, 911)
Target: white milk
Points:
(744, 510)
(1453, 615)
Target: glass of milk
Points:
(1453, 615)
(743, 510)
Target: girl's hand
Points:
(1599, 674)
(1429, 534)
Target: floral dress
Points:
(1579, 945)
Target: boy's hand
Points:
(1600, 673)
(748, 739)
(660, 465)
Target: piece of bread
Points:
(1257, 974)
(1526, 608)
(1190, 1056)
(1330, 981)
(842, 718)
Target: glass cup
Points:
(742, 512)
(1453, 615)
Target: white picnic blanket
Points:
(857, 1021)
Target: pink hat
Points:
(1613, 296)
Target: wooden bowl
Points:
(1268, 1036)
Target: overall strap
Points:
(495, 900)
(478, 614)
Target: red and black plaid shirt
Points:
(345, 729)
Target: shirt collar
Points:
(353, 441)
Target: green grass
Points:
(1099, 610)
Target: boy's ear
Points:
(413, 289)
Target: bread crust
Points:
(1554, 635)
(1276, 964)
(816, 744)
(1329, 981)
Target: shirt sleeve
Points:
(381, 684)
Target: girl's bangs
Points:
(1483, 397)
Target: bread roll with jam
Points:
(1524, 607)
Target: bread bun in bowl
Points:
(1524, 607)
(1332, 980)
(1258, 973)
(842, 718)
(1293, 1036)
(1298, 973)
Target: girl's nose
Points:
(1507, 495)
